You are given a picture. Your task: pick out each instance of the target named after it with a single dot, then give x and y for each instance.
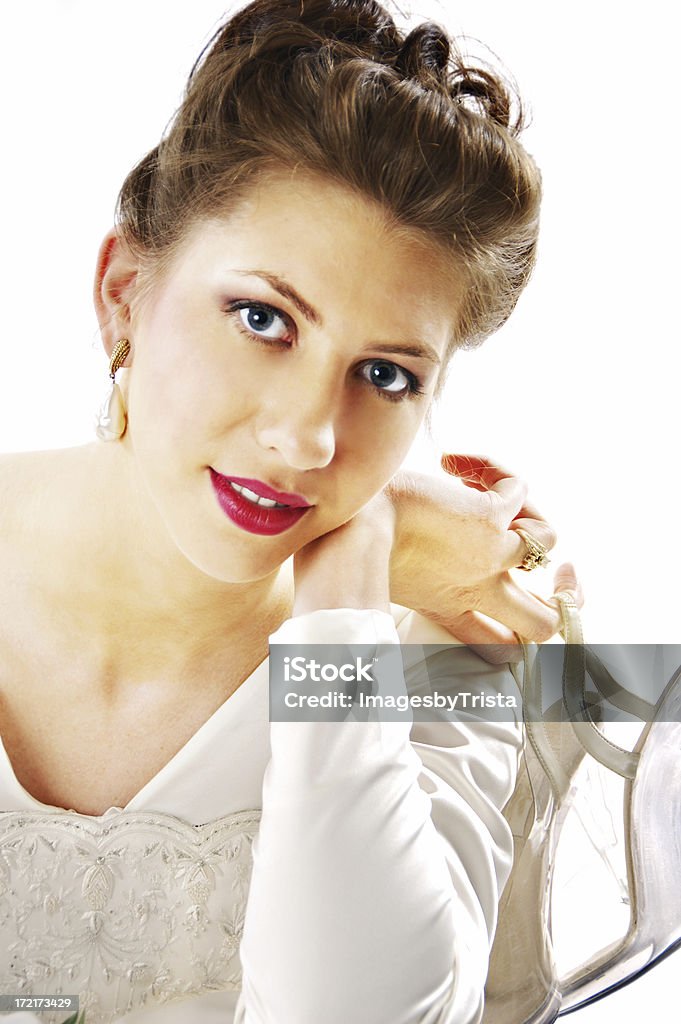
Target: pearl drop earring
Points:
(112, 419)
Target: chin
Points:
(237, 563)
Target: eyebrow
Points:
(285, 289)
(419, 350)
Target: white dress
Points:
(273, 873)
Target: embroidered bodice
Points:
(129, 908)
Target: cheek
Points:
(382, 431)
(161, 403)
(177, 388)
(376, 446)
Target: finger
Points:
(492, 641)
(510, 493)
(479, 473)
(514, 546)
(507, 490)
(475, 470)
(528, 615)
(565, 580)
(538, 529)
(530, 518)
(512, 508)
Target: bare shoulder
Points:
(18, 474)
(34, 511)
(29, 484)
(17, 471)
(13, 467)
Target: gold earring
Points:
(111, 419)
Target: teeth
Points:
(256, 499)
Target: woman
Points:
(333, 212)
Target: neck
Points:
(132, 590)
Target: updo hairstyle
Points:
(335, 88)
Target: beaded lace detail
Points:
(129, 909)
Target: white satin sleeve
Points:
(379, 862)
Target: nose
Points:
(299, 423)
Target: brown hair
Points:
(334, 87)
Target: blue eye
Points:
(263, 321)
(390, 379)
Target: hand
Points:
(456, 541)
(349, 567)
(473, 512)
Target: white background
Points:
(578, 393)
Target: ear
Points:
(115, 280)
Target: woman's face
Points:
(293, 345)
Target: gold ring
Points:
(536, 552)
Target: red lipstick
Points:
(245, 510)
(263, 491)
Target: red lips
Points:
(294, 500)
(254, 518)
